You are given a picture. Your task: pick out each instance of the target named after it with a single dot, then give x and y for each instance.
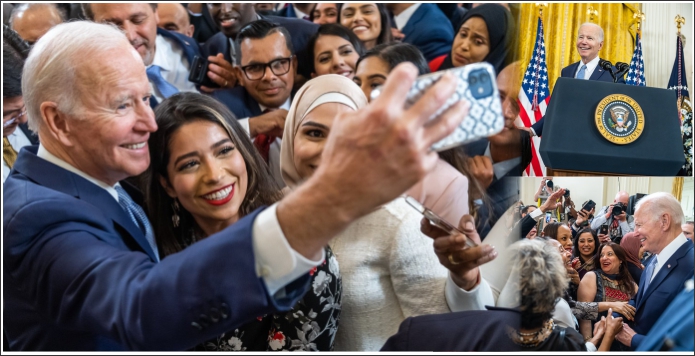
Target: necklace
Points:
(531, 339)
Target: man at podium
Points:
(589, 43)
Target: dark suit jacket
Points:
(190, 49)
(475, 330)
(33, 138)
(664, 287)
(239, 101)
(300, 32)
(430, 31)
(675, 329)
(205, 26)
(569, 72)
(501, 194)
(80, 275)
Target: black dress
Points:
(310, 326)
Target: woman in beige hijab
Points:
(389, 269)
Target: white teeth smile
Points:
(219, 195)
(136, 146)
(360, 28)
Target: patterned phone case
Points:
(485, 115)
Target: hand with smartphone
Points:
(212, 73)
(457, 248)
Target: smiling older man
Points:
(658, 220)
(81, 265)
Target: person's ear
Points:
(57, 124)
(190, 31)
(665, 222)
(167, 187)
(240, 76)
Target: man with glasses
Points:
(13, 110)
(266, 72)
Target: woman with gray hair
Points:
(541, 281)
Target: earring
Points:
(175, 219)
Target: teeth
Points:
(360, 28)
(218, 195)
(135, 146)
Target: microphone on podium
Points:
(607, 66)
(622, 69)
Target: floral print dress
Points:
(310, 326)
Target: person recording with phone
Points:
(612, 221)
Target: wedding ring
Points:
(451, 260)
(225, 82)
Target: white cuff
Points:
(536, 214)
(245, 125)
(276, 262)
(533, 132)
(459, 299)
(590, 346)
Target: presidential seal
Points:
(619, 119)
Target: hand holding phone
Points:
(477, 85)
(436, 220)
(199, 73)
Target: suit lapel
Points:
(598, 72)
(665, 270)
(59, 179)
(414, 19)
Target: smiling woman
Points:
(369, 21)
(205, 175)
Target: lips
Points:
(460, 59)
(228, 22)
(134, 146)
(345, 73)
(220, 196)
(360, 28)
(271, 91)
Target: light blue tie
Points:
(154, 74)
(582, 70)
(137, 215)
(648, 274)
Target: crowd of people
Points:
(219, 177)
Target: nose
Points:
(129, 29)
(226, 7)
(212, 172)
(268, 74)
(357, 16)
(145, 118)
(338, 61)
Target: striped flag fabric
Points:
(635, 76)
(679, 83)
(533, 99)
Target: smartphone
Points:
(199, 73)
(437, 220)
(477, 85)
(589, 205)
(603, 229)
(548, 216)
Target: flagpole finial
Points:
(592, 12)
(680, 21)
(639, 18)
(540, 6)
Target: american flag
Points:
(533, 99)
(679, 83)
(635, 76)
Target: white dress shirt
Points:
(666, 253)
(276, 262)
(403, 18)
(590, 67)
(175, 67)
(17, 140)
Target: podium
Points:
(618, 141)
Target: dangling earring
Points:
(175, 219)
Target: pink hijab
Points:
(631, 244)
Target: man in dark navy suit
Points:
(167, 55)
(589, 43)
(81, 269)
(425, 27)
(658, 219)
(300, 11)
(232, 17)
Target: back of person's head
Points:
(550, 230)
(14, 52)
(261, 29)
(395, 53)
(333, 29)
(542, 280)
(33, 20)
(54, 65)
(171, 114)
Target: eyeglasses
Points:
(13, 119)
(278, 66)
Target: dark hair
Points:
(385, 35)
(334, 29)
(550, 230)
(625, 281)
(89, 14)
(575, 250)
(261, 29)
(524, 210)
(171, 115)
(14, 52)
(395, 53)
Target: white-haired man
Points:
(80, 260)
(658, 220)
(589, 43)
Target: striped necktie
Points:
(9, 155)
(137, 215)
